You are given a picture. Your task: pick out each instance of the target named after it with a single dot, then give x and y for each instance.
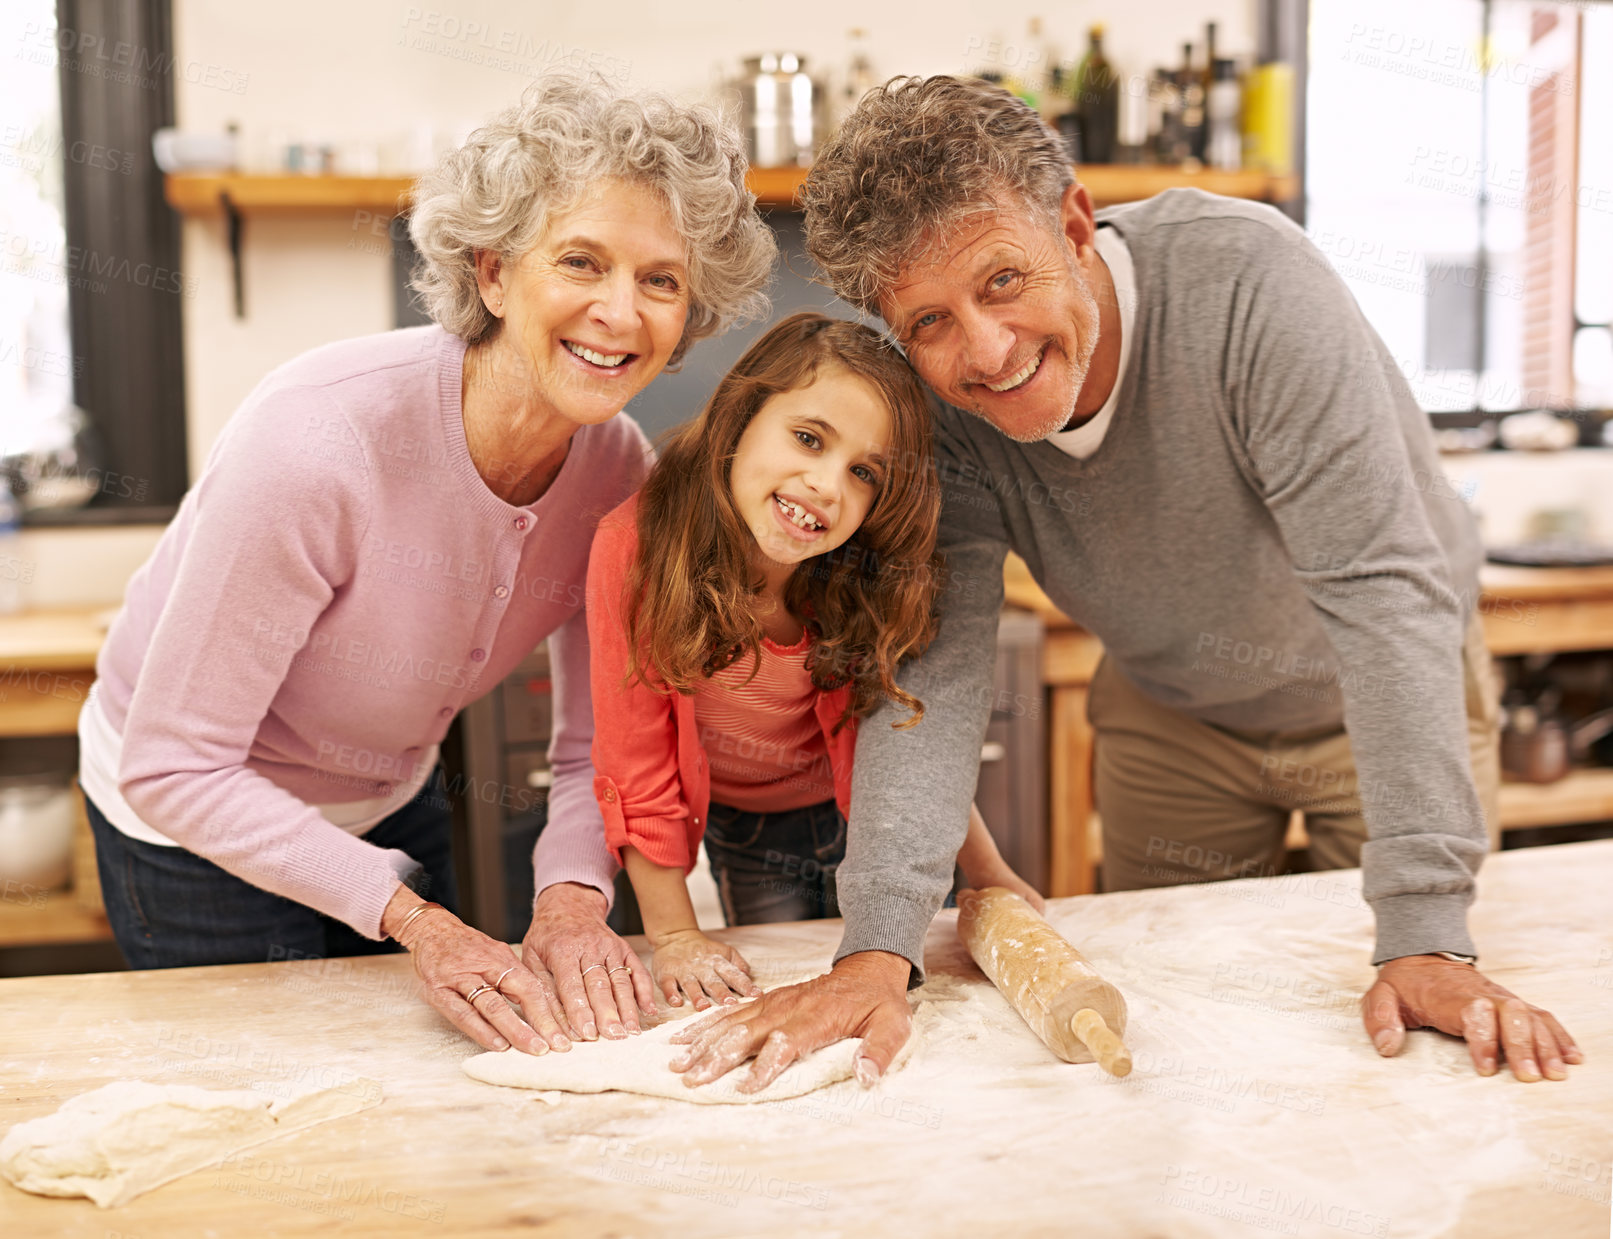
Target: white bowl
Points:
(36, 836)
(177, 151)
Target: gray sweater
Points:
(1263, 541)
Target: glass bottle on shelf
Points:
(1068, 122)
(1224, 148)
(1135, 120)
(860, 76)
(1044, 75)
(1191, 86)
(1268, 118)
(1097, 101)
(1167, 135)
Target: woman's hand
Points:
(567, 939)
(706, 970)
(473, 979)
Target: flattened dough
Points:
(130, 1136)
(639, 1065)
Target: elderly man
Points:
(1175, 412)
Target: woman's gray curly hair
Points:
(917, 157)
(497, 191)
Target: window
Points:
(37, 363)
(1592, 359)
(1460, 179)
(90, 287)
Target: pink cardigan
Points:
(652, 780)
(336, 585)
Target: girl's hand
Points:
(704, 969)
(1005, 877)
(983, 865)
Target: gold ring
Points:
(590, 968)
(619, 968)
(476, 993)
(502, 975)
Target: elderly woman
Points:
(387, 526)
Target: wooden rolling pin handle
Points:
(1108, 1049)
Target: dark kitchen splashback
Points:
(676, 397)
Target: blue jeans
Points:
(776, 866)
(170, 908)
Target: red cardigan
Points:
(650, 772)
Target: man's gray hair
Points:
(539, 157)
(917, 158)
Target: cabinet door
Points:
(527, 694)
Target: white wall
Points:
(379, 71)
(1515, 493)
(80, 567)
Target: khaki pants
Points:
(1183, 801)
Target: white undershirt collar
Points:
(1086, 438)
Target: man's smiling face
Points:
(999, 319)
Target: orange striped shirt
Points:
(763, 742)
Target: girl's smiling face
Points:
(809, 465)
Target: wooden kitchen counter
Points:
(1256, 1105)
(1546, 610)
(1523, 610)
(47, 664)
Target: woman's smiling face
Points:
(595, 309)
(810, 464)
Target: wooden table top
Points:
(1257, 1104)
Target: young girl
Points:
(745, 609)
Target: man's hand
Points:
(865, 995)
(1428, 991)
(568, 935)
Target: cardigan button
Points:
(610, 793)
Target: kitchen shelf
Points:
(236, 195)
(1585, 795)
(210, 193)
(65, 640)
(47, 662)
(1547, 609)
(776, 187)
(206, 194)
(1114, 183)
(59, 918)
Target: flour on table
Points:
(639, 1065)
(130, 1136)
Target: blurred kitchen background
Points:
(192, 192)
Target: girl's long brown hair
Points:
(868, 604)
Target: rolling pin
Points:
(1077, 1014)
